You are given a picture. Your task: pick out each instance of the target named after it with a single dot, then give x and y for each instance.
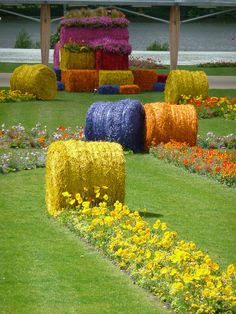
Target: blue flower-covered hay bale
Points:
(109, 89)
(121, 121)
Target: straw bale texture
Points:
(111, 61)
(189, 83)
(162, 78)
(144, 79)
(165, 122)
(77, 60)
(159, 86)
(72, 165)
(108, 89)
(80, 80)
(184, 124)
(115, 78)
(121, 122)
(37, 79)
(157, 124)
(129, 89)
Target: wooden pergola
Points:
(174, 20)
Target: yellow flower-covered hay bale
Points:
(36, 79)
(74, 165)
(116, 78)
(165, 122)
(77, 60)
(182, 82)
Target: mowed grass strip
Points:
(69, 109)
(44, 268)
(198, 208)
(6, 67)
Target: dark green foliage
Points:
(23, 40)
(156, 46)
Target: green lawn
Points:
(231, 71)
(69, 109)
(225, 71)
(44, 268)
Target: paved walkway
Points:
(215, 82)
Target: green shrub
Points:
(23, 40)
(156, 46)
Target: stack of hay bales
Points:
(74, 165)
(93, 40)
(37, 79)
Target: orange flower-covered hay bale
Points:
(145, 79)
(165, 122)
(129, 89)
(80, 80)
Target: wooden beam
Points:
(45, 32)
(174, 35)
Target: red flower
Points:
(61, 128)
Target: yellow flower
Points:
(231, 269)
(163, 226)
(66, 194)
(177, 286)
(157, 224)
(105, 196)
(71, 201)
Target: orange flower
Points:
(61, 128)
(40, 140)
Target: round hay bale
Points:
(184, 124)
(165, 122)
(73, 165)
(157, 124)
(121, 122)
(189, 83)
(37, 79)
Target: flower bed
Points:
(174, 270)
(213, 163)
(212, 106)
(17, 160)
(219, 142)
(15, 96)
(17, 136)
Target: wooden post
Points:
(174, 35)
(45, 32)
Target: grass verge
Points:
(45, 269)
(6, 67)
(69, 109)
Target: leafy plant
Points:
(157, 46)
(23, 40)
(54, 39)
